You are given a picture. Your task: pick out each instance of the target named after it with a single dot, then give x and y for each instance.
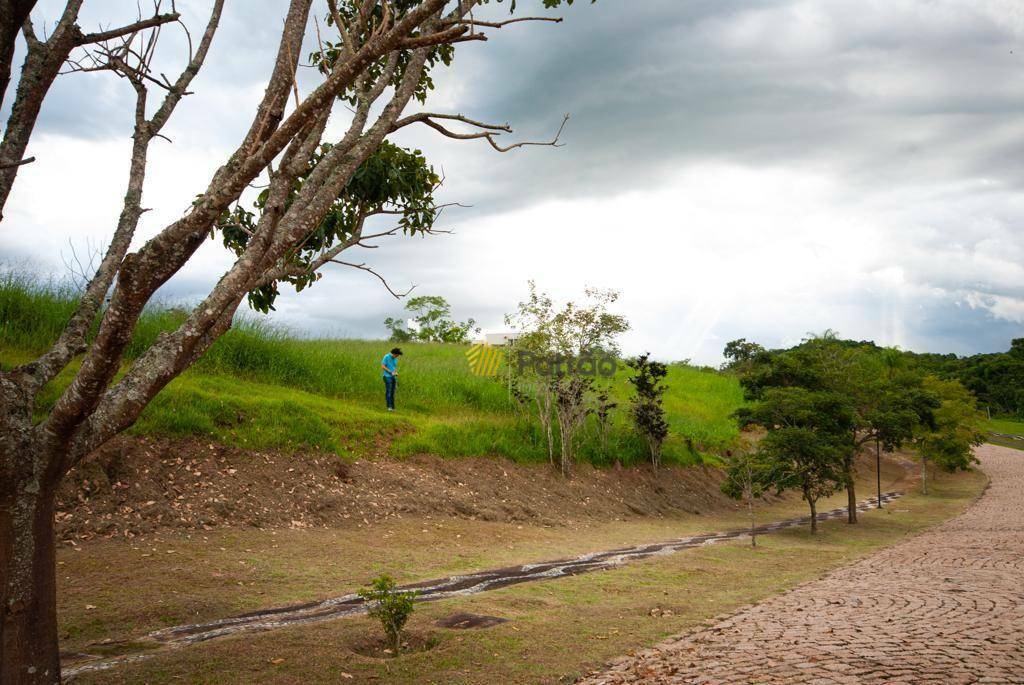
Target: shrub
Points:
(646, 409)
(389, 606)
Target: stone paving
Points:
(944, 607)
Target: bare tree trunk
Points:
(813, 503)
(924, 476)
(29, 651)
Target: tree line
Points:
(820, 404)
(997, 380)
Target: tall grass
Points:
(260, 386)
(33, 312)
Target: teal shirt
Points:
(391, 364)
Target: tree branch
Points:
(72, 339)
(499, 24)
(141, 25)
(363, 267)
(27, 160)
(489, 135)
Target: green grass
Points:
(1006, 426)
(259, 386)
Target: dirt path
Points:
(944, 607)
(337, 607)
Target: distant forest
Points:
(997, 380)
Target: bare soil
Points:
(137, 486)
(379, 648)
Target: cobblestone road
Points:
(944, 607)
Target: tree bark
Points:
(851, 502)
(12, 17)
(29, 650)
(814, 515)
(924, 476)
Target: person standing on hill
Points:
(390, 366)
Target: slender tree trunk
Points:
(924, 476)
(878, 470)
(566, 441)
(543, 402)
(29, 651)
(750, 512)
(851, 492)
(814, 515)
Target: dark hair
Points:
(396, 352)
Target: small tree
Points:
(557, 340)
(646, 406)
(741, 355)
(389, 606)
(533, 321)
(807, 441)
(571, 410)
(892, 418)
(399, 332)
(434, 322)
(949, 438)
(745, 480)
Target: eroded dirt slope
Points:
(135, 486)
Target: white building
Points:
(496, 339)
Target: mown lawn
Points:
(562, 628)
(1006, 427)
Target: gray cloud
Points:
(893, 130)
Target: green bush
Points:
(389, 606)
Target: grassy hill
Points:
(258, 387)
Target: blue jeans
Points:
(389, 390)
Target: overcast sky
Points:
(735, 169)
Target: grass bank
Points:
(260, 387)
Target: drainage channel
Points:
(433, 590)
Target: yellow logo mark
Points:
(484, 360)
